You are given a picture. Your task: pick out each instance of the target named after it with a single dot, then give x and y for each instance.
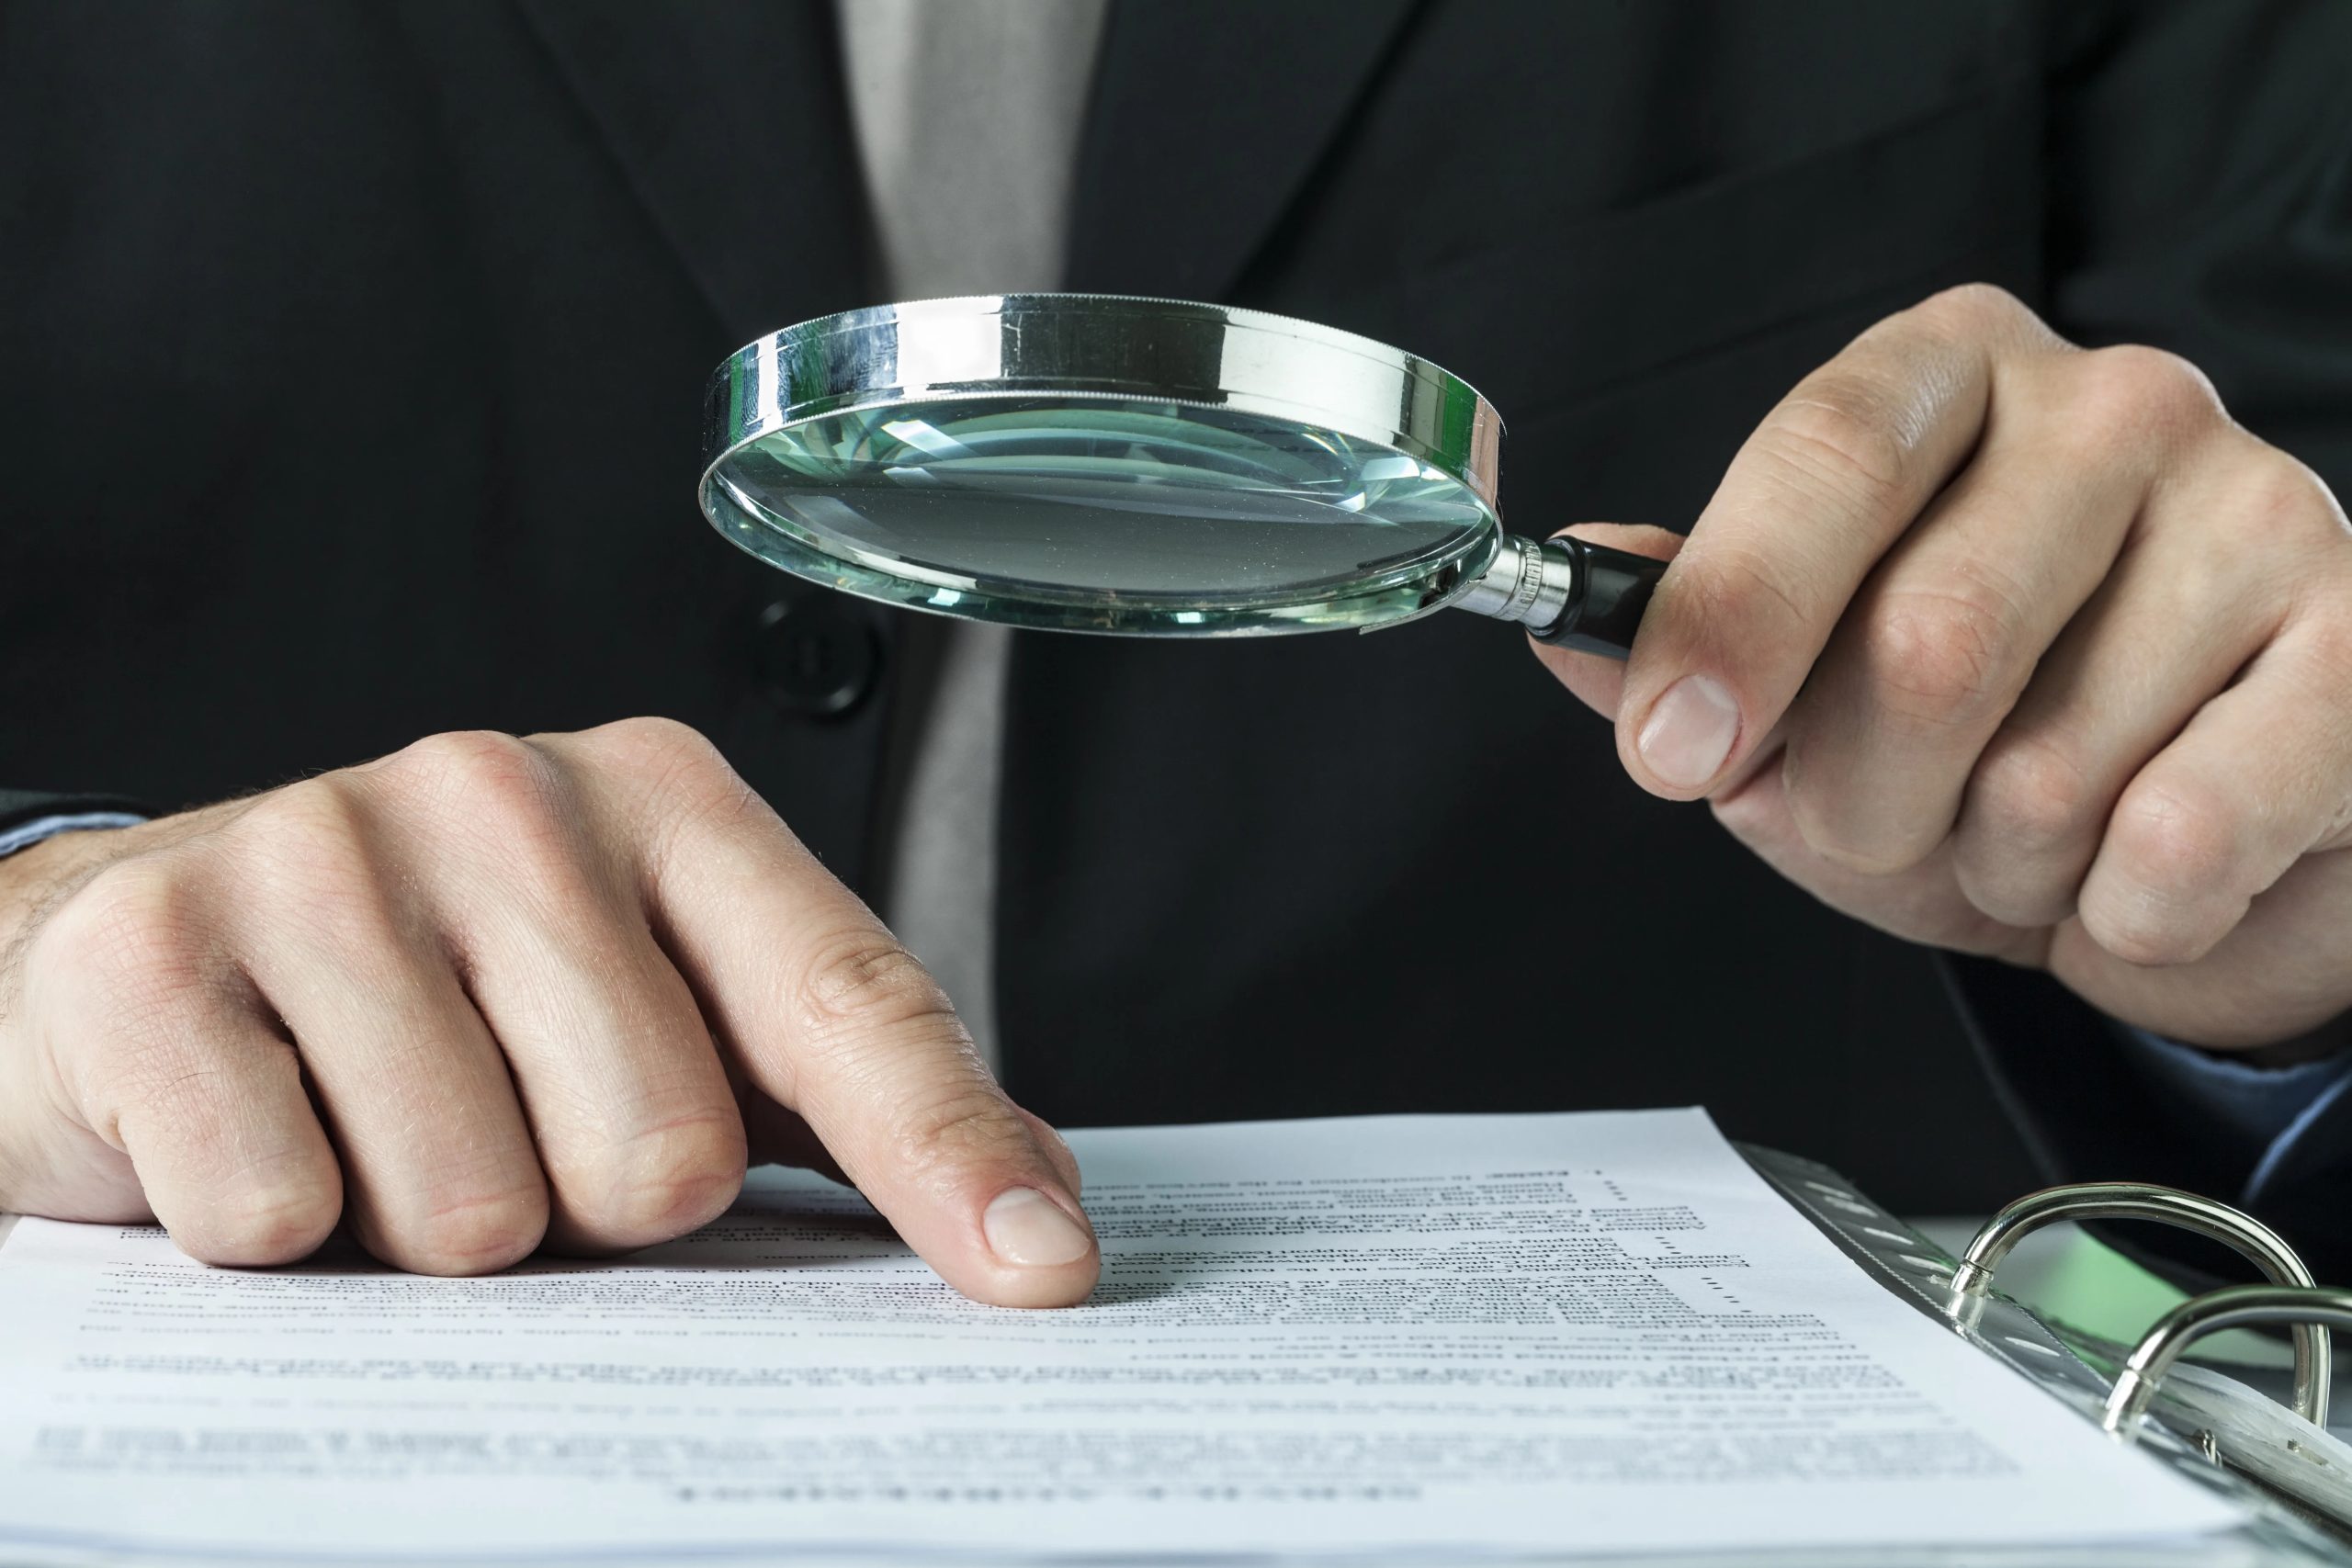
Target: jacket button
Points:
(817, 656)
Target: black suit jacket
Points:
(354, 356)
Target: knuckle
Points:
(2172, 853)
(2170, 839)
(2033, 795)
(2134, 392)
(2140, 933)
(965, 1123)
(504, 786)
(862, 980)
(678, 770)
(1844, 433)
(305, 853)
(473, 1235)
(2326, 635)
(458, 755)
(1973, 310)
(1940, 656)
(300, 819)
(135, 933)
(672, 1178)
(1736, 587)
(263, 1224)
(2027, 826)
(650, 741)
(2281, 497)
(676, 779)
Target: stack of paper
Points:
(1534, 1334)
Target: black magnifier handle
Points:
(1567, 592)
(1611, 588)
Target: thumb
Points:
(1597, 680)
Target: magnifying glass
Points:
(1087, 462)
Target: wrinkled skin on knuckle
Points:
(654, 746)
(2030, 794)
(489, 791)
(863, 981)
(2175, 841)
(863, 990)
(109, 985)
(130, 917)
(261, 1225)
(471, 1234)
(1938, 660)
(446, 765)
(1056, 1151)
(962, 1126)
(660, 1182)
(2169, 853)
(1735, 590)
(2026, 832)
(1844, 433)
(243, 1194)
(670, 765)
(320, 816)
(125, 947)
(306, 856)
(2132, 397)
(673, 787)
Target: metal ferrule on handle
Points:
(1567, 592)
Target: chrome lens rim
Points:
(1111, 348)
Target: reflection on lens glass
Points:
(1169, 505)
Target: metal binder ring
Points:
(2242, 1234)
(2238, 1306)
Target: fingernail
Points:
(1689, 732)
(1029, 1230)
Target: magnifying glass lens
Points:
(1109, 514)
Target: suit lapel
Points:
(731, 124)
(1208, 116)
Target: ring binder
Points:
(2294, 1478)
(2242, 1233)
(2237, 1306)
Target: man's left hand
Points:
(2017, 648)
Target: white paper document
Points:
(1526, 1333)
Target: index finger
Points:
(1829, 481)
(827, 1014)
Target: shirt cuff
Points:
(2261, 1111)
(25, 835)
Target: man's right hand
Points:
(488, 994)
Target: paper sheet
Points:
(1548, 1334)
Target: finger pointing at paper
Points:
(2024, 650)
(488, 993)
